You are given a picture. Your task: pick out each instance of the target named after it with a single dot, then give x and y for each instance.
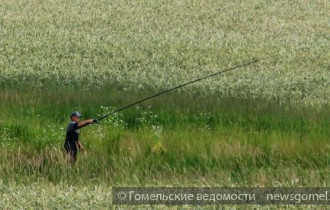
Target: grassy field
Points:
(158, 44)
(264, 125)
(170, 141)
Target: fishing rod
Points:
(180, 86)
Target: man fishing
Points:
(72, 135)
(72, 143)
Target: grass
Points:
(170, 136)
(174, 140)
(154, 45)
(264, 125)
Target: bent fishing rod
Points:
(180, 86)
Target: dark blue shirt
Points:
(72, 132)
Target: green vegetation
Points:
(264, 125)
(158, 44)
(173, 140)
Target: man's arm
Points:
(84, 123)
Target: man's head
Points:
(75, 116)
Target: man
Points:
(72, 142)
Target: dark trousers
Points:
(71, 149)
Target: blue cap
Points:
(75, 114)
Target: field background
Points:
(264, 125)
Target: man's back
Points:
(72, 132)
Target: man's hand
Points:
(81, 147)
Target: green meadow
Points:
(264, 125)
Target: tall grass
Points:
(159, 44)
(170, 136)
(264, 125)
